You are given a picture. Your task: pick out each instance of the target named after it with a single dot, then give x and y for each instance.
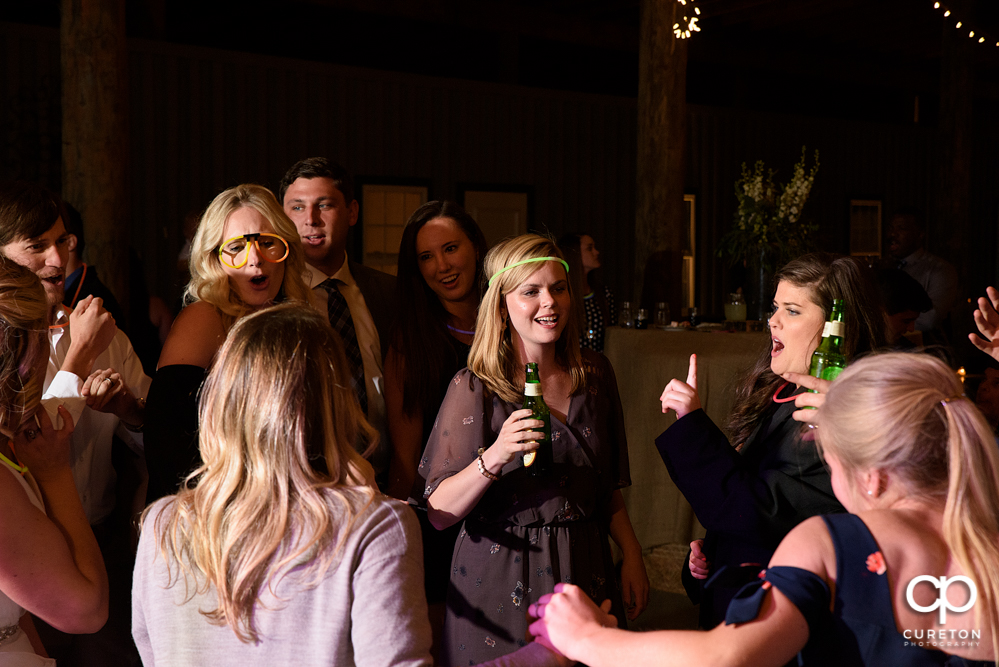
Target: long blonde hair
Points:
(209, 281)
(281, 481)
(23, 327)
(492, 358)
(906, 414)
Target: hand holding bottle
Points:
(682, 397)
(518, 435)
(809, 401)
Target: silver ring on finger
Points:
(109, 381)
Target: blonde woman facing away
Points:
(284, 553)
(246, 255)
(915, 463)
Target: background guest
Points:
(599, 305)
(750, 496)
(245, 256)
(318, 196)
(917, 467)
(521, 534)
(904, 299)
(937, 276)
(437, 289)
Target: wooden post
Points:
(662, 128)
(948, 230)
(95, 132)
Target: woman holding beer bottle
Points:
(522, 534)
(750, 495)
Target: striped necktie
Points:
(343, 324)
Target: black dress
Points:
(171, 429)
(747, 500)
(527, 534)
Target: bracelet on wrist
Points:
(482, 467)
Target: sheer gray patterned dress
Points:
(527, 534)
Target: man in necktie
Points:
(318, 195)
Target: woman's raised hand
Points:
(987, 321)
(518, 435)
(682, 397)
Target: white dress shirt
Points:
(371, 350)
(91, 440)
(939, 278)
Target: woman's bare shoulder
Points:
(196, 335)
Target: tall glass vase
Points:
(759, 279)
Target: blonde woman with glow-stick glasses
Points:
(245, 255)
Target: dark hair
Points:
(319, 167)
(74, 225)
(826, 277)
(420, 331)
(27, 210)
(571, 246)
(901, 292)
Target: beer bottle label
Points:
(833, 329)
(532, 389)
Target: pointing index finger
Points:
(692, 372)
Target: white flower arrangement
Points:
(768, 219)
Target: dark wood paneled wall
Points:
(203, 120)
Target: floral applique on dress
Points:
(876, 563)
(586, 431)
(494, 549)
(468, 420)
(490, 642)
(518, 594)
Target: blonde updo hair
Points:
(906, 414)
(209, 281)
(282, 480)
(23, 328)
(492, 357)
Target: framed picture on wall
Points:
(689, 252)
(500, 210)
(385, 207)
(865, 228)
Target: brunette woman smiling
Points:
(437, 292)
(750, 496)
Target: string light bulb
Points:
(981, 38)
(687, 25)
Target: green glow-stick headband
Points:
(528, 261)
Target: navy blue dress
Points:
(861, 628)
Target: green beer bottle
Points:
(828, 360)
(538, 462)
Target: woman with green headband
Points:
(521, 535)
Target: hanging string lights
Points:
(979, 36)
(688, 24)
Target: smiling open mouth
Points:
(450, 279)
(547, 319)
(777, 346)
